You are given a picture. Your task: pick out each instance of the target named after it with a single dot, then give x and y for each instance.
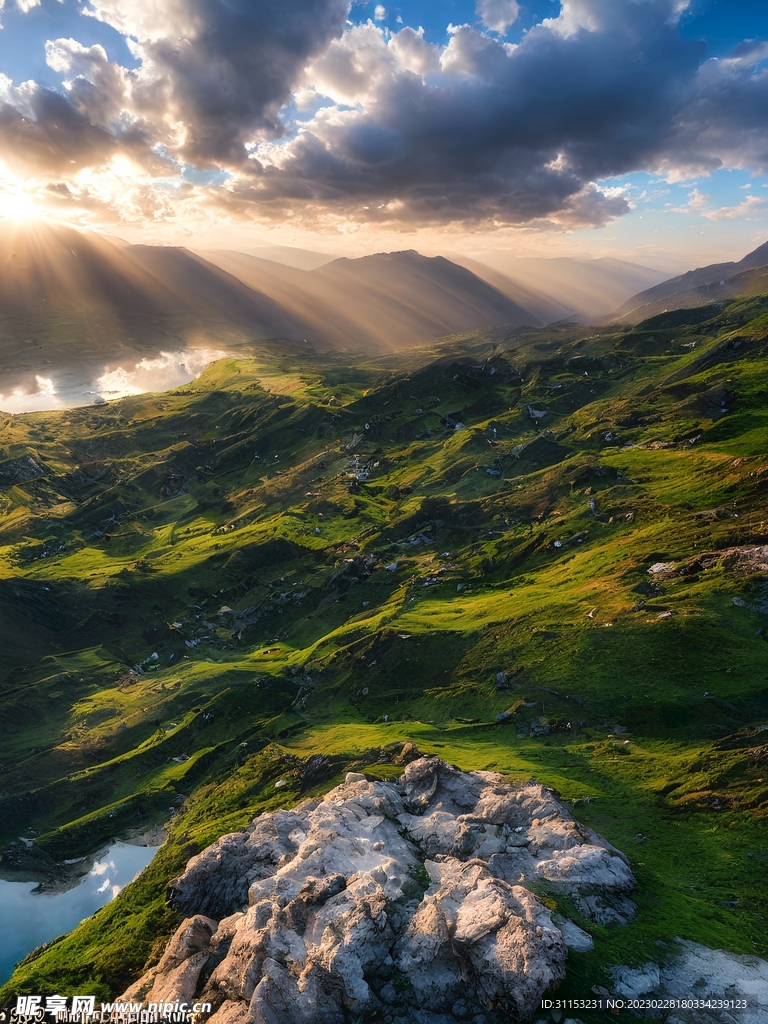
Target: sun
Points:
(16, 205)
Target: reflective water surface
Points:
(28, 919)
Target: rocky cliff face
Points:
(410, 899)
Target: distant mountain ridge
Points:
(76, 304)
(562, 287)
(57, 270)
(697, 287)
(383, 301)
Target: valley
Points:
(540, 551)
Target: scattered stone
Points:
(410, 752)
(606, 908)
(20, 471)
(320, 915)
(649, 588)
(762, 607)
(633, 982)
(575, 938)
(660, 567)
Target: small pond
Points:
(28, 919)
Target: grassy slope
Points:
(199, 528)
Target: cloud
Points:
(752, 204)
(98, 89)
(413, 53)
(42, 398)
(302, 114)
(216, 74)
(698, 202)
(721, 121)
(42, 132)
(498, 134)
(168, 370)
(101, 867)
(498, 15)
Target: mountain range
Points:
(81, 314)
(563, 287)
(385, 301)
(697, 287)
(74, 305)
(78, 308)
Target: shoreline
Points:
(64, 875)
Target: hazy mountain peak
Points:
(757, 258)
(697, 287)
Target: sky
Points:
(629, 128)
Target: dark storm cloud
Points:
(221, 68)
(402, 131)
(725, 121)
(511, 133)
(48, 135)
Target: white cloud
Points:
(498, 15)
(697, 203)
(352, 68)
(471, 53)
(752, 204)
(379, 12)
(168, 370)
(101, 867)
(413, 52)
(44, 397)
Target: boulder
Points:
(407, 898)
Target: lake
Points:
(28, 919)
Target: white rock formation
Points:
(717, 980)
(405, 898)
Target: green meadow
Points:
(543, 554)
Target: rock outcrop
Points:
(409, 898)
(704, 986)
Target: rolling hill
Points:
(707, 284)
(539, 553)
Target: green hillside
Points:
(292, 566)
